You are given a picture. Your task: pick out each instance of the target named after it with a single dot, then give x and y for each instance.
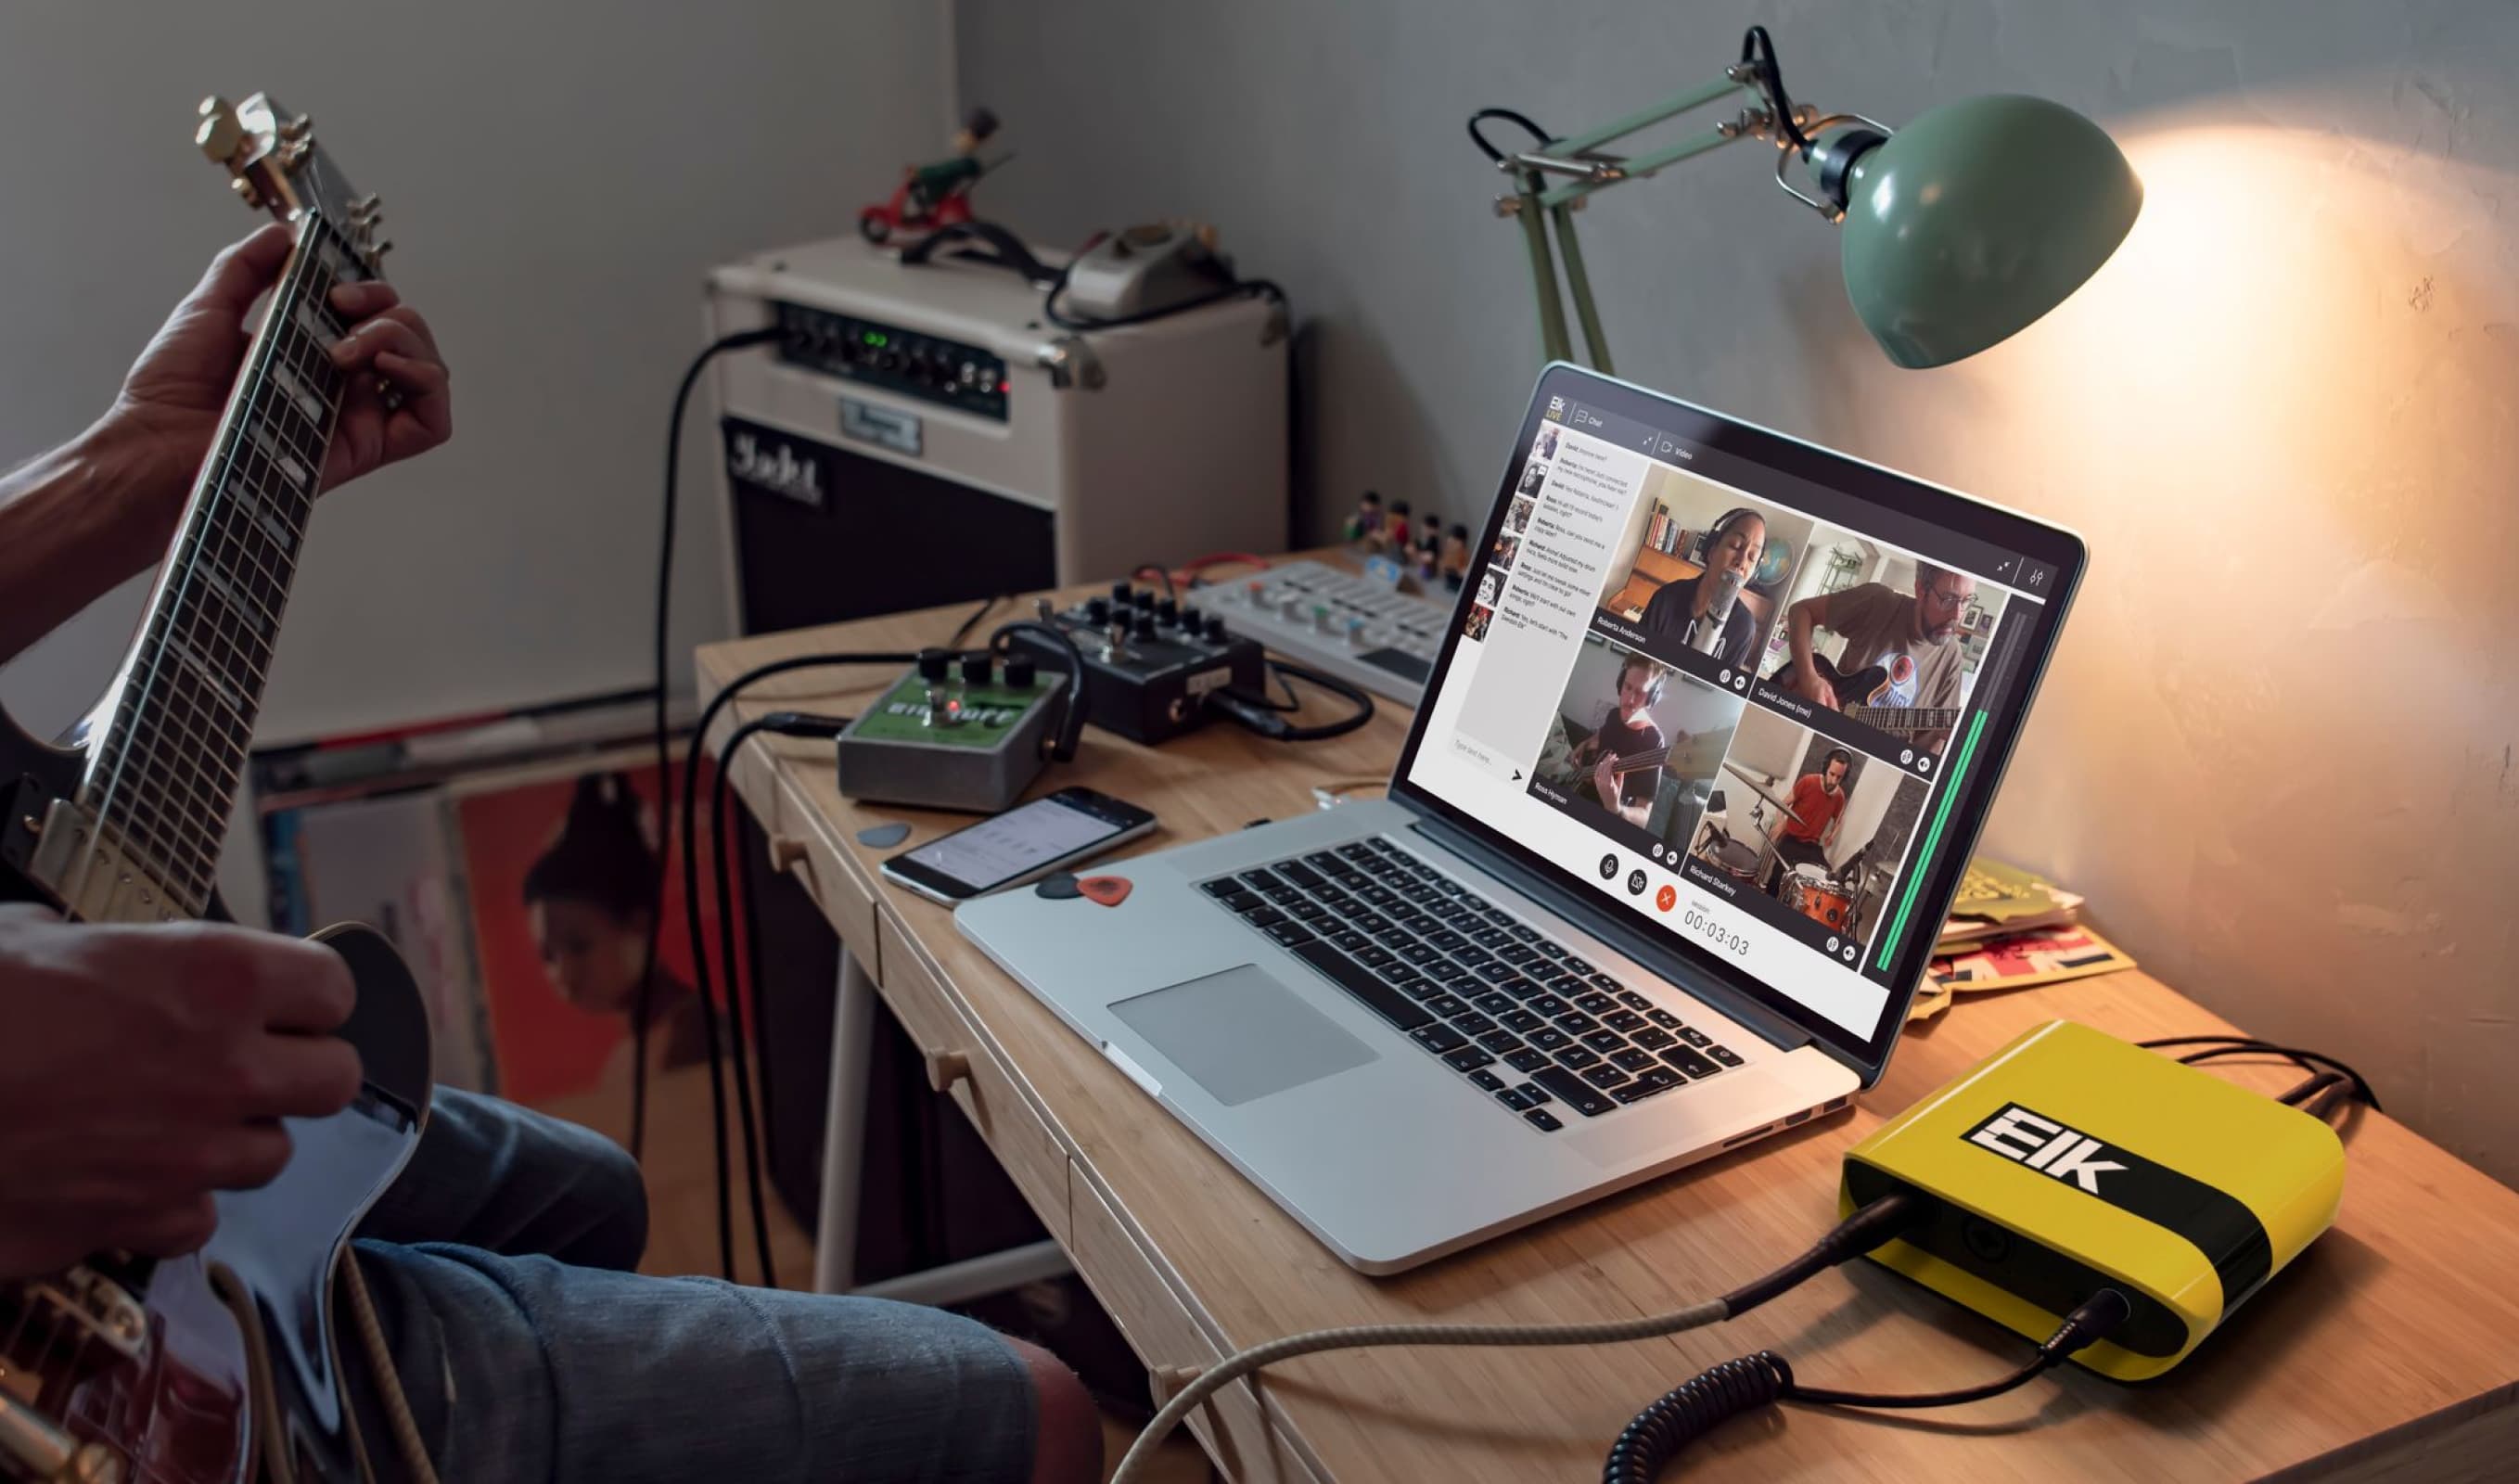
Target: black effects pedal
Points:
(1149, 662)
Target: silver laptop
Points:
(1692, 786)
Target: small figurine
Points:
(1365, 530)
(1396, 531)
(936, 195)
(1456, 558)
(1428, 551)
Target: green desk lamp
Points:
(1958, 230)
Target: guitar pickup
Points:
(83, 868)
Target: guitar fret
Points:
(168, 772)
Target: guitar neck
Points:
(1904, 719)
(163, 776)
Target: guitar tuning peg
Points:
(367, 208)
(220, 134)
(246, 192)
(299, 129)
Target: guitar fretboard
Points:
(164, 774)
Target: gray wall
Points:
(2276, 749)
(558, 178)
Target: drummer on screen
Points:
(1818, 804)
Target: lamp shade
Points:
(1977, 218)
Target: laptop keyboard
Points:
(1505, 1005)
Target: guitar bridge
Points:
(59, 1331)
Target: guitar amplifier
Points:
(922, 435)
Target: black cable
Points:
(1262, 716)
(665, 827)
(1759, 48)
(1538, 135)
(973, 622)
(1696, 1406)
(664, 750)
(2219, 1046)
(708, 1010)
(785, 723)
(1239, 289)
(1062, 741)
(2310, 1086)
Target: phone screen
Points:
(999, 849)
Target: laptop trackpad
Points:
(1240, 1034)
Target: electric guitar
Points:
(1870, 685)
(199, 1370)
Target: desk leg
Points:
(844, 1118)
(835, 1240)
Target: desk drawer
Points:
(1162, 1331)
(1029, 1153)
(833, 885)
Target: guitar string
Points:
(303, 270)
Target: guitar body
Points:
(223, 1365)
(251, 1315)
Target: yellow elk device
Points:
(2070, 1161)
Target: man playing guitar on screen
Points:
(1625, 756)
(1912, 638)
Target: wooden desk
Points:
(2391, 1347)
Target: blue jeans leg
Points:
(529, 1365)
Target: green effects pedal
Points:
(952, 735)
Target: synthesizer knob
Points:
(1292, 606)
(1355, 633)
(1251, 589)
(1323, 622)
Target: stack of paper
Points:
(2009, 929)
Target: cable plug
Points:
(2099, 1316)
(803, 724)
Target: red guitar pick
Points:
(1109, 890)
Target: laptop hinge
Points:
(1604, 925)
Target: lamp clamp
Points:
(1831, 159)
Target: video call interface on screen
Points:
(1755, 716)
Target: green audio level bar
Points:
(1951, 782)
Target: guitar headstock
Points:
(274, 163)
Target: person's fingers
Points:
(403, 314)
(359, 300)
(292, 1077)
(382, 333)
(171, 1232)
(244, 270)
(427, 418)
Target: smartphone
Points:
(1023, 844)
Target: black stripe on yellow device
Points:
(2070, 1161)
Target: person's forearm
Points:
(74, 524)
(1797, 632)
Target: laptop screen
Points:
(1749, 696)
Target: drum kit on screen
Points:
(1823, 896)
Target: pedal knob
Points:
(935, 665)
(979, 668)
(1145, 629)
(1122, 595)
(1019, 671)
(1215, 628)
(1188, 619)
(1097, 611)
(1166, 610)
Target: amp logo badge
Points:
(2046, 1147)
